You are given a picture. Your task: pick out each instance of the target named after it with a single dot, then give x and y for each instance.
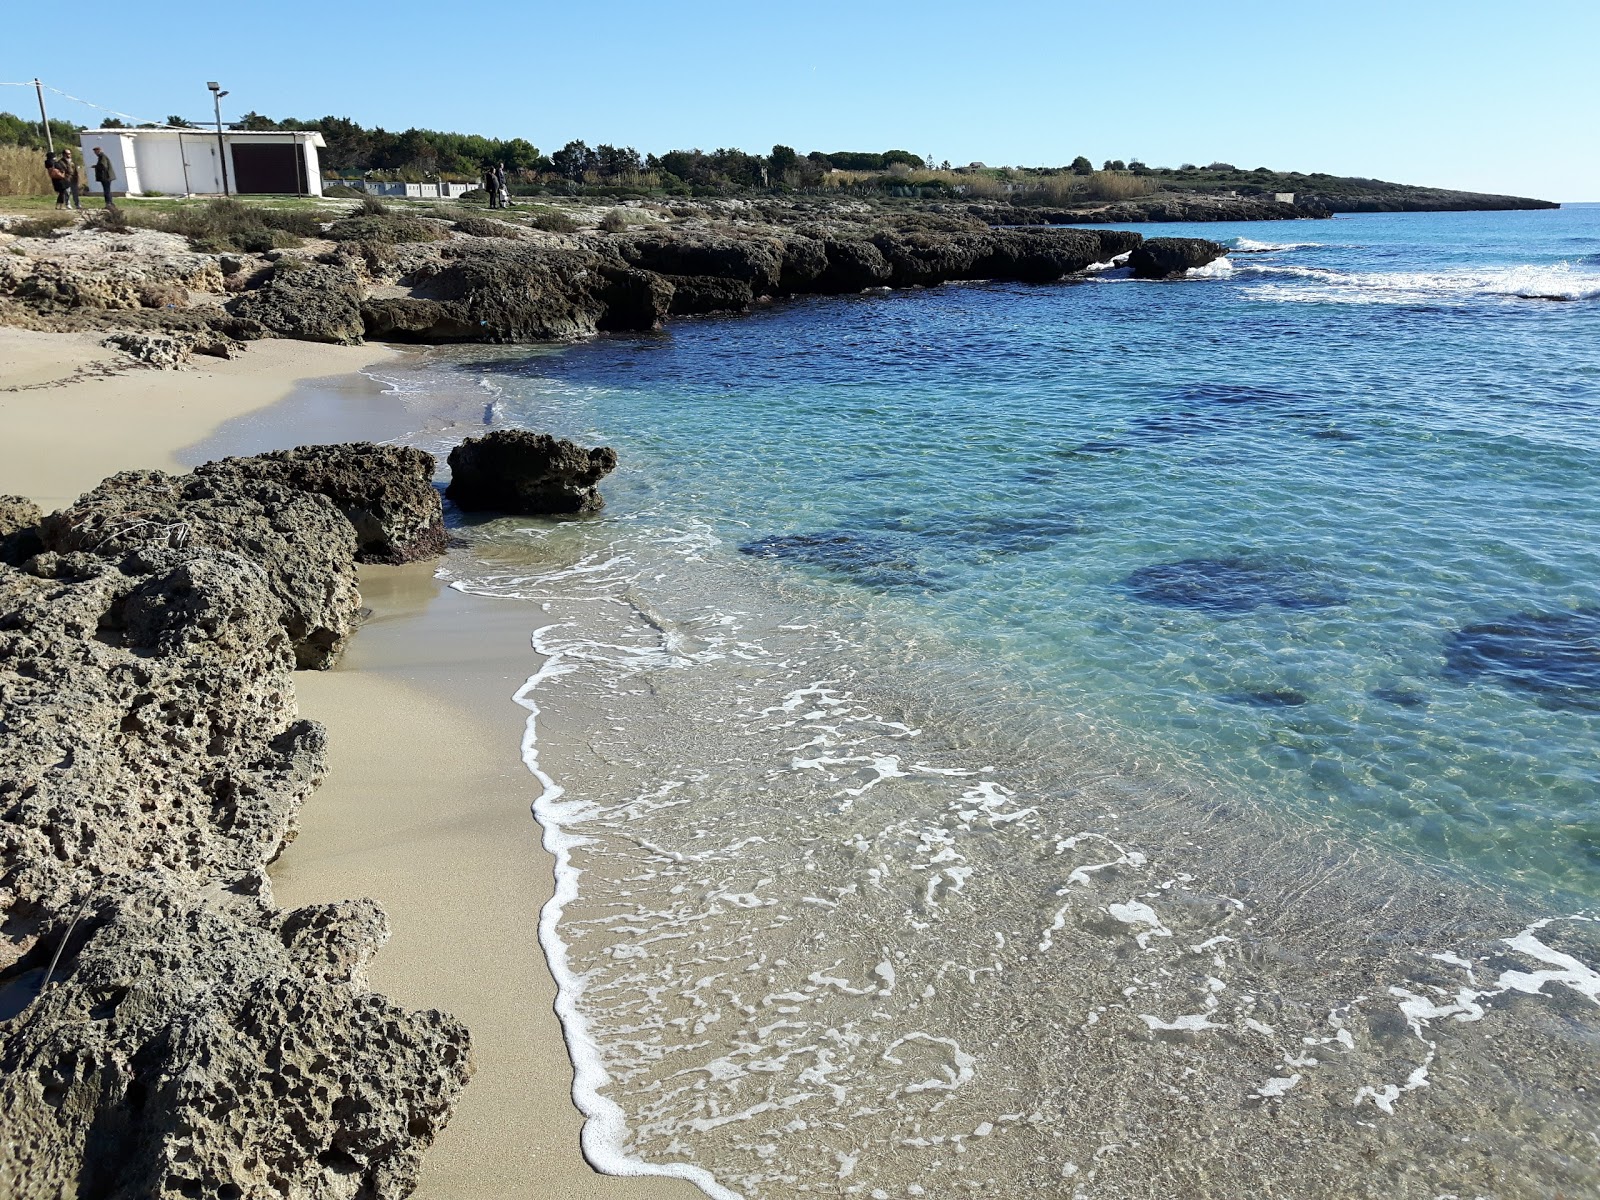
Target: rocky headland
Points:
(165, 1028)
(420, 278)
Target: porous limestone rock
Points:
(300, 539)
(312, 302)
(385, 492)
(195, 1046)
(165, 1030)
(526, 473)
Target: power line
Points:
(100, 107)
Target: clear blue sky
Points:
(1487, 96)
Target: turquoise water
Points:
(1104, 740)
(1323, 527)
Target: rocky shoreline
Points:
(168, 1030)
(405, 278)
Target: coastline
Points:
(431, 662)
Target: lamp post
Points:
(222, 150)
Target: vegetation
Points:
(221, 225)
(41, 226)
(22, 172)
(384, 229)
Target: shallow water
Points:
(1110, 739)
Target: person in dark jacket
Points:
(104, 174)
(491, 186)
(58, 178)
(69, 166)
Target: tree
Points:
(1082, 166)
(783, 160)
(1114, 164)
(180, 123)
(573, 160)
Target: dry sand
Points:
(73, 412)
(427, 805)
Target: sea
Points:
(1105, 739)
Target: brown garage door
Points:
(266, 168)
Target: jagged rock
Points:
(299, 538)
(757, 261)
(1163, 258)
(18, 513)
(853, 266)
(193, 1040)
(19, 534)
(198, 1047)
(312, 302)
(169, 351)
(695, 294)
(517, 293)
(149, 722)
(385, 492)
(518, 471)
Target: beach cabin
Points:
(190, 162)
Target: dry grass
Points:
(22, 172)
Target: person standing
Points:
(491, 186)
(74, 190)
(104, 174)
(500, 185)
(58, 178)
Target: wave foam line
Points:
(605, 1126)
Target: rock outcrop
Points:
(520, 472)
(1167, 258)
(310, 302)
(165, 1030)
(385, 492)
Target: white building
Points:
(188, 162)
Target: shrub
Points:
(482, 227)
(339, 191)
(221, 225)
(389, 230)
(614, 222)
(110, 220)
(40, 227)
(551, 220)
(370, 206)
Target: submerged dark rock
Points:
(991, 533)
(1554, 656)
(1269, 698)
(874, 560)
(521, 472)
(1207, 409)
(1232, 584)
(1167, 257)
(1400, 697)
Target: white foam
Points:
(605, 1128)
(1556, 281)
(1221, 268)
(1244, 245)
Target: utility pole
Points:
(44, 119)
(222, 150)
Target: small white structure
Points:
(188, 162)
(1283, 197)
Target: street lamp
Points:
(222, 150)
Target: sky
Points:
(1484, 96)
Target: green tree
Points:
(1082, 166)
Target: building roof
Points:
(312, 135)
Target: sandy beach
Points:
(427, 806)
